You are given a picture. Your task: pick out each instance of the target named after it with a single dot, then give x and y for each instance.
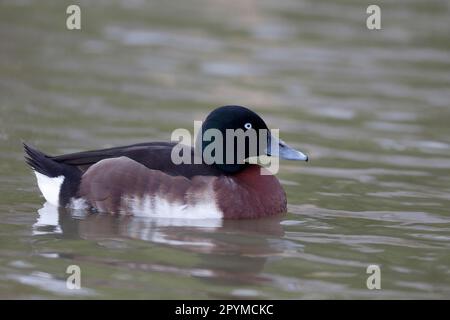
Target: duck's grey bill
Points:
(284, 151)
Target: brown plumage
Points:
(114, 185)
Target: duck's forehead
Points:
(255, 120)
(246, 116)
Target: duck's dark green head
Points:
(233, 134)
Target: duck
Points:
(143, 180)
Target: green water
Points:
(370, 108)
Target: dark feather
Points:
(153, 155)
(40, 162)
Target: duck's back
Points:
(153, 155)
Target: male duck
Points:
(142, 179)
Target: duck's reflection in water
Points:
(229, 250)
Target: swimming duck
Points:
(142, 180)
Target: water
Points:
(370, 108)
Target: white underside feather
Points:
(50, 187)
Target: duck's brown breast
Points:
(250, 194)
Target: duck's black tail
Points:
(57, 181)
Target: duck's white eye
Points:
(248, 125)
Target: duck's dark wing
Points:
(153, 155)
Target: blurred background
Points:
(370, 108)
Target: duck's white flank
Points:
(157, 206)
(50, 187)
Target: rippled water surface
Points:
(370, 108)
